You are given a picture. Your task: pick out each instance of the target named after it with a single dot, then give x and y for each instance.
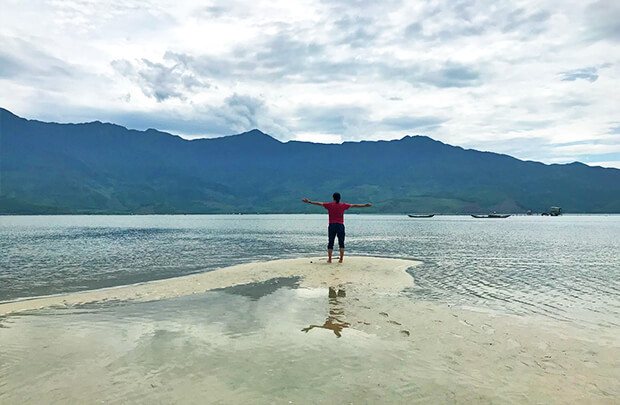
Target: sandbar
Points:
(364, 272)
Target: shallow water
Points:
(566, 267)
(545, 330)
(244, 343)
(275, 343)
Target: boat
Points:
(421, 216)
(491, 216)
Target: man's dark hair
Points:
(336, 197)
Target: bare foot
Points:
(329, 260)
(340, 261)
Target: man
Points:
(336, 211)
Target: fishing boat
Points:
(421, 216)
(491, 216)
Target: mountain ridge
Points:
(258, 131)
(101, 167)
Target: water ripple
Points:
(566, 267)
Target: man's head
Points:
(336, 197)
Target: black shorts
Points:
(335, 230)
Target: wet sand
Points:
(360, 341)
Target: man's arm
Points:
(312, 202)
(361, 205)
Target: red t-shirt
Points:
(336, 211)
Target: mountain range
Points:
(95, 167)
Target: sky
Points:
(539, 80)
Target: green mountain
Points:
(105, 168)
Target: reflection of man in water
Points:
(333, 322)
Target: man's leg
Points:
(331, 236)
(341, 242)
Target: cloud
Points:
(9, 66)
(514, 77)
(357, 31)
(242, 113)
(588, 73)
(603, 20)
(602, 159)
(524, 22)
(282, 51)
(213, 11)
(159, 80)
(236, 114)
(168, 121)
(612, 164)
(463, 19)
(355, 121)
(452, 75)
(335, 119)
(20, 59)
(410, 123)
(295, 61)
(529, 125)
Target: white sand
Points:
(365, 272)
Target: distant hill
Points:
(105, 168)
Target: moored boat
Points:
(421, 216)
(491, 216)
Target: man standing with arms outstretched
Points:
(336, 211)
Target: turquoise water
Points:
(566, 267)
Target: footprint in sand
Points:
(395, 323)
(405, 333)
(384, 314)
(464, 322)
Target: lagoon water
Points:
(543, 295)
(565, 267)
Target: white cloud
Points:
(610, 164)
(535, 79)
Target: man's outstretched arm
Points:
(312, 202)
(361, 205)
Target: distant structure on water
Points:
(553, 211)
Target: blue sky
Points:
(538, 80)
